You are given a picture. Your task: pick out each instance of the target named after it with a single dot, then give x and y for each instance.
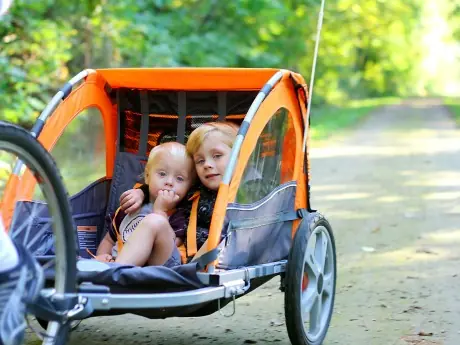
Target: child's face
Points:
(211, 159)
(170, 172)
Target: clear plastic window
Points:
(272, 161)
(80, 151)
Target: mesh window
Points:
(164, 108)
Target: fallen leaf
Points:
(276, 323)
(426, 251)
(425, 334)
(412, 308)
(377, 229)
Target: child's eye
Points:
(217, 155)
(162, 173)
(180, 179)
(200, 161)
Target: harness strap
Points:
(117, 232)
(191, 230)
(206, 258)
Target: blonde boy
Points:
(150, 236)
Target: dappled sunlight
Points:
(347, 215)
(346, 196)
(446, 236)
(408, 172)
(440, 178)
(441, 196)
(394, 151)
(330, 187)
(440, 245)
(393, 143)
(453, 210)
(390, 199)
(395, 258)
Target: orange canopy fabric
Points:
(188, 78)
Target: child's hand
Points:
(131, 200)
(104, 258)
(165, 201)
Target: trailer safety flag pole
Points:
(313, 68)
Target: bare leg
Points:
(152, 242)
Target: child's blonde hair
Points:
(174, 149)
(230, 131)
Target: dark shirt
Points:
(204, 212)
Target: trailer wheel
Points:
(310, 281)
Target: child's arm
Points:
(104, 251)
(106, 245)
(132, 200)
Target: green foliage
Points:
(327, 120)
(368, 48)
(453, 104)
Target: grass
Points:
(453, 104)
(329, 119)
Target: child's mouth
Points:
(212, 176)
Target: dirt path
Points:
(391, 190)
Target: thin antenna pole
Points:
(313, 69)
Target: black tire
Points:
(22, 144)
(320, 287)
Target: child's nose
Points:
(208, 164)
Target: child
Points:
(210, 146)
(151, 236)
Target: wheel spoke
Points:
(328, 284)
(309, 298)
(310, 258)
(315, 315)
(323, 252)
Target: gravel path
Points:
(390, 189)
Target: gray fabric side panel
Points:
(265, 237)
(127, 172)
(88, 209)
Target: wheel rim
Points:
(53, 208)
(317, 283)
(22, 233)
